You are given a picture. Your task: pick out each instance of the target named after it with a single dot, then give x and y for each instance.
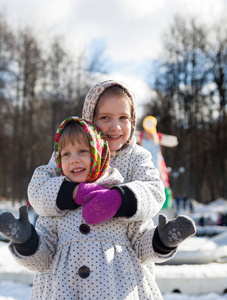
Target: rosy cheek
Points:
(102, 127)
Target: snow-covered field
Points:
(17, 291)
(16, 281)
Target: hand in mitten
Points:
(172, 233)
(102, 205)
(19, 230)
(86, 188)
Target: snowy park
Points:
(178, 280)
(172, 55)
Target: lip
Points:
(114, 137)
(77, 170)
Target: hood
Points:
(93, 96)
(100, 155)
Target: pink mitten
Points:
(86, 188)
(103, 205)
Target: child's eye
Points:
(65, 154)
(124, 117)
(104, 118)
(84, 150)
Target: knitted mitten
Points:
(19, 230)
(173, 232)
(102, 206)
(86, 188)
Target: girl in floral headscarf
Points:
(82, 155)
(91, 143)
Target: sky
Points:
(129, 31)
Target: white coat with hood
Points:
(133, 162)
(76, 261)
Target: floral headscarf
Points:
(100, 155)
(93, 96)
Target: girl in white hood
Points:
(111, 106)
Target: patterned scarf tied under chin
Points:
(100, 155)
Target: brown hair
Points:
(114, 90)
(72, 131)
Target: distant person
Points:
(224, 219)
(191, 206)
(184, 200)
(220, 219)
(201, 221)
(177, 201)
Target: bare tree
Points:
(217, 52)
(38, 89)
(182, 87)
(6, 108)
(27, 65)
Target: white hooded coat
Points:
(133, 162)
(102, 261)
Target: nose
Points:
(74, 158)
(115, 125)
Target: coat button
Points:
(84, 272)
(84, 228)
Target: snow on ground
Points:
(14, 276)
(16, 291)
(10, 290)
(16, 281)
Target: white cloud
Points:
(131, 29)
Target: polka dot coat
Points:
(113, 254)
(75, 260)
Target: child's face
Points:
(76, 161)
(113, 116)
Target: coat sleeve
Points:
(145, 183)
(141, 236)
(45, 184)
(41, 260)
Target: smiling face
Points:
(113, 116)
(76, 160)
(75, 152)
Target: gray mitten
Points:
(19, 230)
(172, 233)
